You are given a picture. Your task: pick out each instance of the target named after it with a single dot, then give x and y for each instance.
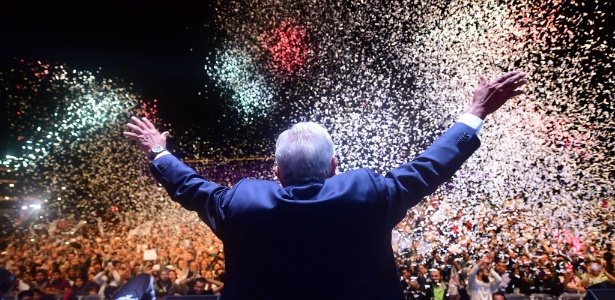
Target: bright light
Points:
(35, 206)
(24, 207)
(11, 185)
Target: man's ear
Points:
(333, 167)
(276, 171)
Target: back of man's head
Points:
(304, 153)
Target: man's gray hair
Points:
(304, 153)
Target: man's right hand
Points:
(145, 134)
(489, 96)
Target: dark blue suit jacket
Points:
(315, 240)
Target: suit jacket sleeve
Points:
(409, 183)
(193, 191)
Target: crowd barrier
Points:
(544, 297)
(193, 297)
(597, 295)
(99, 297)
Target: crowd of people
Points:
(101, 257)
(474, 254)
(541, 271)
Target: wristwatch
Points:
(155, 151)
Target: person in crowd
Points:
(461, 263)
(92, 285)
(182, 269)
(309, 188)
(438, 289)
(24, 283)
(173, 277)
(454, 286)
(609, 261)
(204, 265)
(187, 283)
(483, 281)
(125, 275)
(193, 270)
(597, 277)
(107, 278)
(519, 283)
(78, 289)
(164, 285)
(38, 294)
(501, 269)
(220, 275)
(546, 283)
(206, 273)
(40, 280)
(57, 285)
(72, 274)
(405, 281)
(198, 288)
(499, 295)
(420, 282)
(212, 284)
(573, 285)
(204, 286)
